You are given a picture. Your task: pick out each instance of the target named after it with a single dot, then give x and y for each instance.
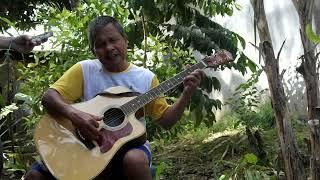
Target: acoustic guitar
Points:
(69, 156)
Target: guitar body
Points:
(67, 157)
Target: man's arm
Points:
(86, 123)
(174, 112)
(4, 42)
(22, 44)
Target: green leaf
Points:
(8, 22)
(251, 158)
(312, 35)
(31, 65)
(249, 175)
(236, 125)
(252, 66)
(22, 97)
(216, 83)
(222, 177)
(2, 100)
(7, 110)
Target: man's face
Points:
(110, 47)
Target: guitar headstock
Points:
(219, 58)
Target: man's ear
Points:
(127, 42)
(93, 51)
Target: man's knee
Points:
(34, 175)
(135, 157)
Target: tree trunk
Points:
(308, 68)
(315, 149)
(316, 16)
(290, 152)
(294, 169)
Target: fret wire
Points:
(176, 81)
(152, 94)
(126, 108)
(167, 85)
(160, 87)
(145, 98)
(137, 99)
(157, 91)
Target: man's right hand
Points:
(87, 124)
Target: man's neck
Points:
(118, 68)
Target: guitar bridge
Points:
(88, 144)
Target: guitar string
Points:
(122, 115)
(117, 115)
(114, 113)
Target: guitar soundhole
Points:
(113, 117)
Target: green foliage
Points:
(192, 28)
(312, 35)
(247, 104)
(161, 167)
(7, 110)
(248, 169)
(24, 13)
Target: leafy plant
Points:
(248, 104)
(161, 167)
(248, 169)
(7, 110)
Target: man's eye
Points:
(114, 39)
(98, 45)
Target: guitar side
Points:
(66, 156)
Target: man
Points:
(22, 44)
(85, 79)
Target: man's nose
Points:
(109, 46)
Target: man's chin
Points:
(110, 61)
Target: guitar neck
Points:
(140, 101)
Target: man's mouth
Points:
(112, 56)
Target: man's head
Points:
(98, 23)
(108, 40)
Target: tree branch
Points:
(278, 55)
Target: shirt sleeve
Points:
(157, 107)
(70, 85)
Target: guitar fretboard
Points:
(140, 101)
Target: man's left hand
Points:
(191, 82)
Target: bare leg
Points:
(136, 165)
(34, 175)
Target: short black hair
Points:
(100, 22)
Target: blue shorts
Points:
(117, 167)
